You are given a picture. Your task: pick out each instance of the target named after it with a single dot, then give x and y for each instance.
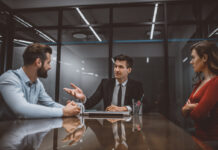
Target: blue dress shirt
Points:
(26, 99)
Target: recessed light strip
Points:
(185, 59)
(20, 43)
(87, 23)
(96, 35)
(23, 41)
(212, 33)
(21, 21)
(153, 21)
(26, 24)
(43, 35)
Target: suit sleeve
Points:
(207, 102)
(96, 97)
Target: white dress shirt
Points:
(115, 94)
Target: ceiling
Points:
(22, 4)
(98, 16)
(122, 17)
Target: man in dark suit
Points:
(117, 93)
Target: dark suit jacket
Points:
(105, 91)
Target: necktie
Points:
(119, 95)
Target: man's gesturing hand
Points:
(75, 92)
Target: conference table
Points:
(150, 131)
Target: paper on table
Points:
(124, 113)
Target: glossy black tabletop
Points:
(145, 132)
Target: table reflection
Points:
(75, 129)
(25, 134)
(136, 132)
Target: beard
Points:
(42, 73)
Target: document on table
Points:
(105, 113)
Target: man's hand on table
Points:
(71, 109)
(116, 108)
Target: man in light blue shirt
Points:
(23, 94)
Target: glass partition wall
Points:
(157, 35)
(84, 50)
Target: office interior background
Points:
(86, 35)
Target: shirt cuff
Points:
(129, 108)
(59, 112)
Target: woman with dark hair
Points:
(202, 105)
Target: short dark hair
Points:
(34, 51)
(128, 60)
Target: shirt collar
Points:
(123, 84)
(24, 77)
